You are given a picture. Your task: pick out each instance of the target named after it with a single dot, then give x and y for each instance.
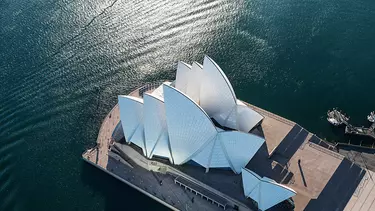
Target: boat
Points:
(371, 117)
(333, 121)
(336, 117)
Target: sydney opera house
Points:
(198, 120)
(190, 144)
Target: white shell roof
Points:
(203, 158)
(247, 118)
(158, 92)
(209, 87)
(182, 76)
(175, 123)
(155, 127)
(266, 192)
(189, 127)
(239, 147)
(194, 83)
(217, 97)
(131, 116)
(219, 158)
(194, 136)
(175, 126)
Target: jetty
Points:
(370, 132)
(336, 118)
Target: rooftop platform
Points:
(273, 127)
(364, 196)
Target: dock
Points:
(362, 131)
(291, 155)
(337, 118)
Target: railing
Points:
(324, 143)
(202, 195)
(359, 189)
(372, 148)
(269, 114)
(325, 150)
(148, 87)
(364, 162)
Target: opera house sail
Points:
(194, 132)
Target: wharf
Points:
(370, 132)
(322, 178)
(336, 118)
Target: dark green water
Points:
(63, 63)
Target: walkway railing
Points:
(180, 182)
(325, 150)
(271, 115)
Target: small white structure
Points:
(371, 117)
(265, 191)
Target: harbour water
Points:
(63, 63)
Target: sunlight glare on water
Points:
(63, 63)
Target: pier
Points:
(336, 118)
(370, 132)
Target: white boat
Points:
(333, 121)
(336, 118)
(371, 117)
